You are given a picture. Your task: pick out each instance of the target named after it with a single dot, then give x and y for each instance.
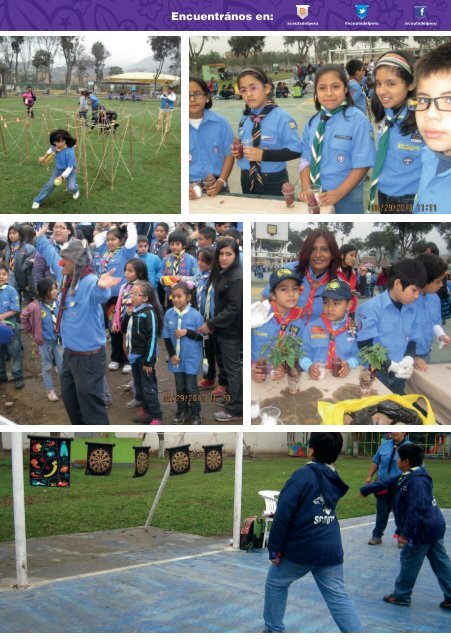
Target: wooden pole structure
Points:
(3, 139)
(27, 138)
(130, 138)
(112, 161)
(83, 156)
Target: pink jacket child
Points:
(31, 320)
(120, 310)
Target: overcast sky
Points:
(126, 47)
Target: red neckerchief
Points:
(333, 334)
(294, 314)
(314, 285)
(86, 271)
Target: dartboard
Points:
(99, 460)
(180, 461)
(142, 463)
(213, 460)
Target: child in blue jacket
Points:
(419, 524)
(62, 145)
(305, 537)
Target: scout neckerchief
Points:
(382, 149)
(283, 323)
(14, 247)
(177, 260)
(180, 315)
(51, 307)
(332, 351)
(108, 258)
(64, 291)
(314, 285)
(255, 171)
(129, 332)
(317, 146)
(125, 297)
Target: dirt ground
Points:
(31, 406)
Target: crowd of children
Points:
(314, 299)
(133, 285)
(408, 166)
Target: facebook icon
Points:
(420, 12)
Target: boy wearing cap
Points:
(81, 325)
(332, 334)
(285, 318)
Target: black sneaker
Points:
(374, 541)
(446, 604)
(391, 599)
(179, 417)
(19, 384)
(196, 420)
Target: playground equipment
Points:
(105, 149)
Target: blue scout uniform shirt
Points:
(9, 301)
(348, 144)
(154, 267)
(94, 101)
(52, 257)
(429, 313)
(382, 459)
(187, 265)
(317, 308)
(209, 145)
(433, 194)
(65, 158)
(201, 290)
(401, 172)
(316, 340)
(191, 351)
(279, 130)
(48, 325)
(83, 323)
(264, 337)
(117, 262)
(380, 319)
(357, 95)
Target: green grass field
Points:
(155, 187)
(197, 503)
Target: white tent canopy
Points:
(141, 77)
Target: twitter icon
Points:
(362, 10)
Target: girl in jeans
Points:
(184, 346)
(39, 319)
(62, 145)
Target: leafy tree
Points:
(408, 233)
(303, 44)
(358, 243)
(429, 42)
(369, 42)
(394, 42)
(116, 71)
(42, 61)
(246, 45)
(16, 45)
(100, 54)
(49, 44)
(69, 47)
(195, 51)
(381, 244)
(162, 48)
(84, 62)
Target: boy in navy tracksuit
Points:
(305, 537)
(419, 524)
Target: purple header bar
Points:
(224, 15)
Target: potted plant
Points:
(285, 354)
(375, 356)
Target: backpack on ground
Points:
(251, 533)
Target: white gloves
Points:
(260, 314)
(403, 369)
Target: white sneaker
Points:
(127, 368)
(133, 403)
(114, 366)
(35, 205)
(76, 195)
(51, 395)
